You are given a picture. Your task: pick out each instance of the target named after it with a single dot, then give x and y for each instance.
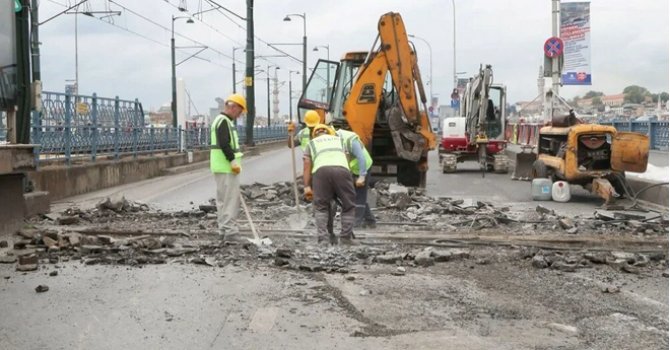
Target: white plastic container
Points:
(541, 189)
(560, 191)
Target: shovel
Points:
(257, 241)
(299, 219)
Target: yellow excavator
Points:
(378, 95)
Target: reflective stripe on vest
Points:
(349, 137)
(217, 160)
(303, 136)
(327, 150)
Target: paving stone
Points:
(27, 262)
(566, 223)
(563, 266)
(49, 242)
(284, 252)
(67, 220)
(629, 257)
(539, 262)
(42, 288)
(388, 258)
(442, 255)
(7, 259)
(53, 273)
(596, 257)
(424, 258)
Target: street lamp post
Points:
(304, 44)
(268, 74)
(174, 71)
(235, 84)
(430, 51)
(290, 94)
(453, 5)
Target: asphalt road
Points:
(493, 300)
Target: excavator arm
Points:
(410, 127)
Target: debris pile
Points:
(573, 260)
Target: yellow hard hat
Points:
(320, 127)
(312, 118)
(238, 99)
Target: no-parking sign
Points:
(553, 47)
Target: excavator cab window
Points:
(345, 78)
(494, 122)
(319, 90)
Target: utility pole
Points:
(22, 131)
(555, 69)
(249, 78)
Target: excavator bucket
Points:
(524, 164)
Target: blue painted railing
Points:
(656, 130)
(82, 127)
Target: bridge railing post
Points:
(37, 136)
(137, 124)
(117, 127)
(94, 126)
(67, 135)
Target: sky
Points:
(131, 58)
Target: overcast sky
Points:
(629, 44)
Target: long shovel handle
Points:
(251, 223)
(295, 176)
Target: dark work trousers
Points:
(328, 183)
(363, 212)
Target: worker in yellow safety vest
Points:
(303, 136)
(225, 163)
(358, 154)
(326, 169)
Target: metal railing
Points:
(78, 127)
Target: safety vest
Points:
(217, 160)
(349, 137)
(303, 136)
(327, 150)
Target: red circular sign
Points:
(553, 47)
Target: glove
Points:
(291, 128)
(235, 167)
(360, 181)
(308, 194)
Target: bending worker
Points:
(225, 163)
(325, 167)
(303, 136)
(358, 154)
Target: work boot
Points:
(349, 241)
(233, 239)
(370, 224)
(330, 240)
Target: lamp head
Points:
(287, 19)
(190, 20)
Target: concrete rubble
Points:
(122, 232)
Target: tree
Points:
(592, 94)
(664, 96)
(635, 94)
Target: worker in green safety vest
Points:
(225, 163)
(303, 136)
(357, 155)
(326, 169)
